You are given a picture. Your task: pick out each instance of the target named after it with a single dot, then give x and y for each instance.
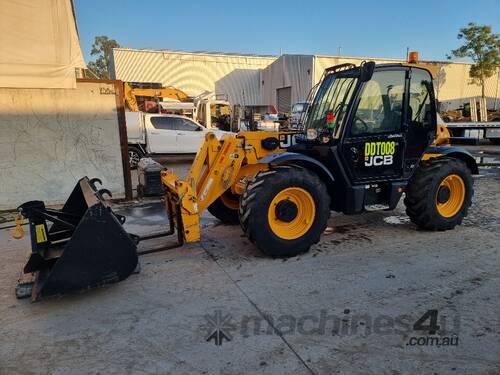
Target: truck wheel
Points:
(134, 155)
(284, 210)
(439, 193)
(225, 208)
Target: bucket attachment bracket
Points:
(174, 216)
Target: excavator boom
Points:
(131, 95)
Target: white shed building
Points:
(270, 80)
(235, 75)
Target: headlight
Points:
(311, 134)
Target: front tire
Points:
(225, 208)
(284, 210)
(439, 194)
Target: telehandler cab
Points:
(370, 135)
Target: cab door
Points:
(374, 141)
(190, 136)
(161, 134)
(422, 122)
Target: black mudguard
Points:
(300, 159)
(456, 152)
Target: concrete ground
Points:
(347, 307)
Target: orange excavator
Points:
(132, 93)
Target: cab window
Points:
(420, 101)
(183, 124)
(163, 123)
(380, 106)
(331, 99)
(298, 107)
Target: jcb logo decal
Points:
(379, 153)
(286, 140)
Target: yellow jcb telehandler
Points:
(370, 135)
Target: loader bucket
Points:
(79, 247)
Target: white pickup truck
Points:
(159, 134)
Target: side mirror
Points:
(367, 71)
(199, 129)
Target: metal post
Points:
(473, 109)
(496, 91)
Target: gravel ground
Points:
(347, 307)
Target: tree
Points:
(102, 50)
(483, 47)
(439, 79)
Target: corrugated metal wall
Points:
(238, 76)
(323, 62)
(295, 71)
(253, 80)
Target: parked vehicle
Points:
(256, 117)
(213, 110)
(298, 111)
(152, 134)
(133, 93)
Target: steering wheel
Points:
(365, 125)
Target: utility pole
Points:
(339, 50)
(407, 53)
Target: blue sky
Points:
(373, 28)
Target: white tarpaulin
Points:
(39, 45)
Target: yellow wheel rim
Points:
(230, 202)
(450, 195)
(291, 213)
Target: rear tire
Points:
(225, 208)
(439, 194)
(284, 210)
